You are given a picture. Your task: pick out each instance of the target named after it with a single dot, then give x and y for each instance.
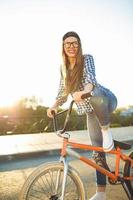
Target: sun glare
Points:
(6, 101)
(30, 48)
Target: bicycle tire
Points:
(128, 171)
(41, 184)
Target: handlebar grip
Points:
(53, 112)
(86, 95)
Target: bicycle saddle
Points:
(122, 145)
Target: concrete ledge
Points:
(53, 152)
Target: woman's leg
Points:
(98, 124)
(103, 104)
(96, 140)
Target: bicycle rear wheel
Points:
(45, 183)
(128, 171)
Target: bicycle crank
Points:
(114, 182)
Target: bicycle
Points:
(59, 181)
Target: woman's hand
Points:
(49, 112)
(77, 96)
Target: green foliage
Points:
(27, 116)
(117, 119)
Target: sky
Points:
(30, 45)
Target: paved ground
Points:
(11, 182)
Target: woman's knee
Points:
(99, 101)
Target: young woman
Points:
(77, 78)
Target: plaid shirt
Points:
(88, 77)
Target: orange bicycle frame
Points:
(117, 152)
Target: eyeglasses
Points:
(75, 44)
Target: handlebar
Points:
(84, 96)
(66, 119)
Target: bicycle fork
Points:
(65, 163)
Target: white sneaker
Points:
(108, 143)
(99, 196)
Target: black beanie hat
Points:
(71, 34)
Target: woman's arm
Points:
(90, 70)
(77, 95)
(89, 80)
(61, 97)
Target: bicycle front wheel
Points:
(45, 183)
(128, 171)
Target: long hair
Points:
(72, 78)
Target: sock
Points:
(108, 143)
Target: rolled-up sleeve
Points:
(61, 98)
